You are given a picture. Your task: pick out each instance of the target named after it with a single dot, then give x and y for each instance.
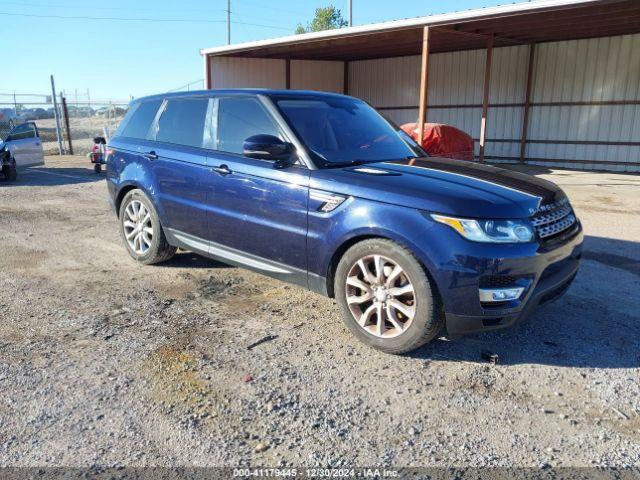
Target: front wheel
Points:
(387, 299)
(97, 168)
(141, 230)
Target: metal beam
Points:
(345, 80)
(424, 84)
(485, 96)
(207, 72)
(457, 30)
(567, 160)
(594, 103)
(527, 102)
(287, 70)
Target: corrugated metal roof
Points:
(439, 19)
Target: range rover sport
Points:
(320, 190)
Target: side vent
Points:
(329, 201)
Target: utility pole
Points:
(88, 98)
(228, 22)
(351, 13)
(56, 114)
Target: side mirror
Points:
(266, 147)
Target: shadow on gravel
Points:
(595, 325)
(192, 260)
(52, 176)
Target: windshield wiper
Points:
(350, 163)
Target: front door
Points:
(258, 213)
(25, 145)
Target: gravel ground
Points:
(105, 362)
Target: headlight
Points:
(489, 231)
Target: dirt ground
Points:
(106, 362)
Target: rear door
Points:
(131, 144)
(255, 208)
(182, 137)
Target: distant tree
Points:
(326, 18)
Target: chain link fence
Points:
(85, 119)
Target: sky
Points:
(134, 50)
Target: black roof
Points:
(242, 91)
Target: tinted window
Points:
(343, 130)
(26, 130)
(240, 118)
(183, 122)
(141, 118)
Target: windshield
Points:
(343, 130)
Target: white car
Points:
(24, 147)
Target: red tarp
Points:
(441, 140)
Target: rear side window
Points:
(183, 122)
(240, 118)
(141, 118)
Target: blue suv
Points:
(320, 190)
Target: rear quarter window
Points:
(140, 119)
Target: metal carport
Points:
(552, 82)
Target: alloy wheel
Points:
(380, 296)
(138, 229)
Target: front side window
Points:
(343, 130)
(183, 122)
(240, 118)
(138, 124)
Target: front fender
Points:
(357, 218)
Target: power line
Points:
(270, 8)
(152, 20)
(242, 5)
(49, 5)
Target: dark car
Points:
(320, 190)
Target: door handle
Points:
(151, 155)
(222, 169)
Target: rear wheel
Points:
(387, 299)
(141, 230)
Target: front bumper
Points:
(546, 291)
(546, 274)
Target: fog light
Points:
(488, 295)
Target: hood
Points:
(444, 186)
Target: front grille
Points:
(553, 218)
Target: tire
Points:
(418, 317)
(97, 168)
(146, 248)
(10, 172)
